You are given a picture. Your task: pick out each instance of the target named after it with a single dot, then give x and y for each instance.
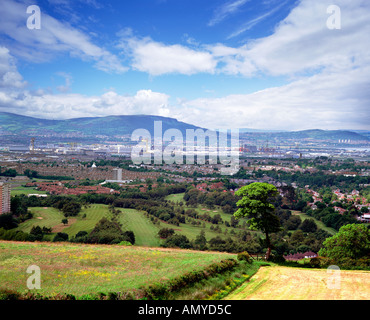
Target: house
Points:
(299, 256)
(365, 218)
(339, 210)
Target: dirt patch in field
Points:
(284, 283)
(61, 227)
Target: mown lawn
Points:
(146, 233)
(25, 190)
(80, 269)
(319, 224)
(131, 219)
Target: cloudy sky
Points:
(262, 64)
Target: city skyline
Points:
(216, 64)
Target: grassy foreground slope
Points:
(285, 283)
(80, 269)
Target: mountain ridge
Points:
(111, 126)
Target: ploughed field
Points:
(81, 269)
(286, 283)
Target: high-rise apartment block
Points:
(117, 174)
(4, 198)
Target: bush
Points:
(308, 225)
(37, 233)
(129, 236)
(315, 262)
(164, 233)
(159, 290)
(109, 232)
(7, 221)
(60, 236)
(125, 243)
(6, 294)
(177, 240)
(244, 256)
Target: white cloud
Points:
(157, 58)
(303, 43)
(225, 10)
(9, 75)
(329, 70)
(54, 37)
(251, 23)
(327, 101)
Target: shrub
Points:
(177, 240)
(7, 294)
(129, 236)
(244, 256)
(109, 232)
(164, 233)
(315, 262)
(7, 221)
(60, 236)
(159, 290)
(125, 243)
(37, 232)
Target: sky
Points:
(219, 64)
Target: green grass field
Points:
(80, 269)
(319, 224)
(25, 190)
(131, 219)
(176, 197)
(146, 233)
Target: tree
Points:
(60, 236)
(308, 225)
(293, 222)
(65, 221)
(106, 232)
(200, 241)
(71, 208)
(256, 205)
(352, 241)
(177, 240)
(37, 233)
(7, 221)
(164, 233)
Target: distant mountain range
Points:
(314, 134)
(16, 128)
(85, 129)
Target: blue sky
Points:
(267, 64)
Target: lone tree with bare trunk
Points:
(256, 205)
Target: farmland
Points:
(284, 283)
(80, 269)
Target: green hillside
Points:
(83, 128)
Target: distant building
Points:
(249, 148)
(365, 218)
(4, 198)
(117, 174)
(299, 256)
